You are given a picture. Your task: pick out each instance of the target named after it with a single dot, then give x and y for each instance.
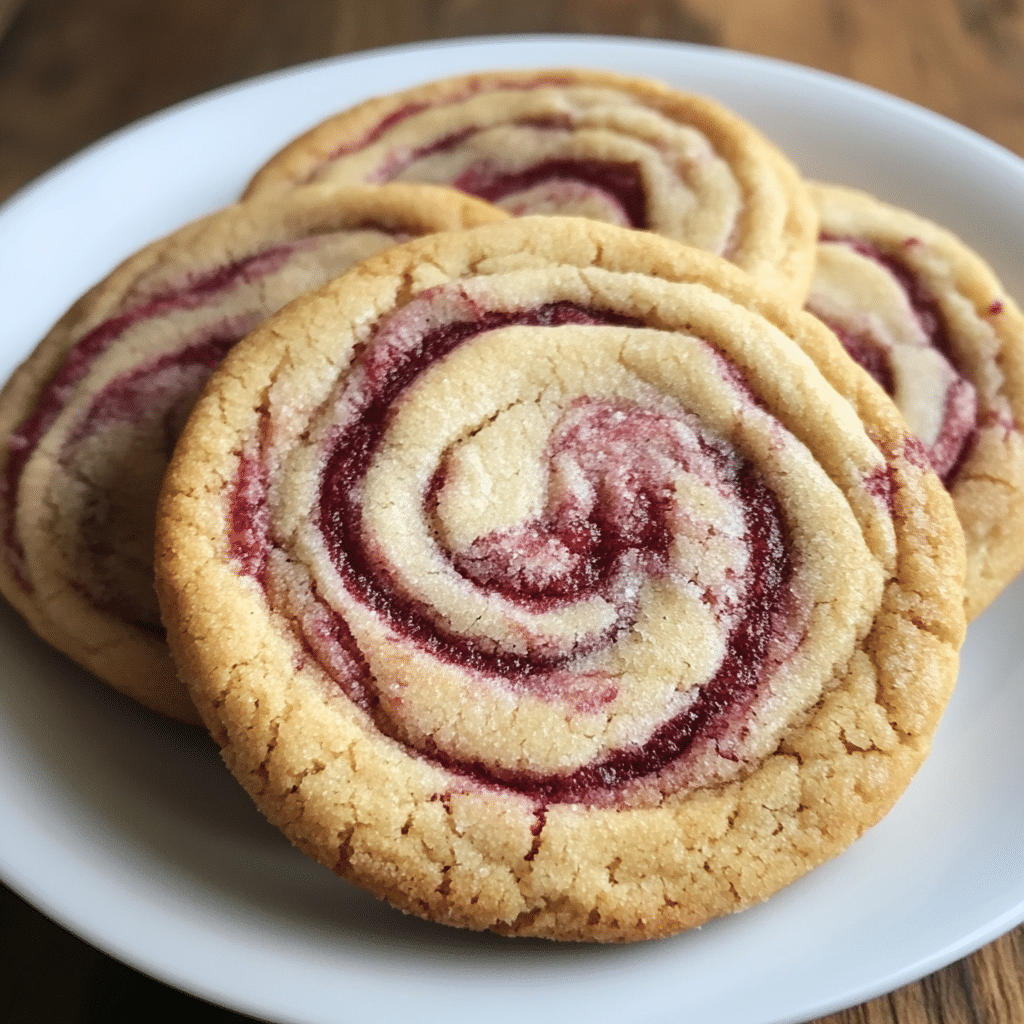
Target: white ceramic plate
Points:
(127, 830)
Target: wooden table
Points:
(74, 70)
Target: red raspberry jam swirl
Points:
(156, 394)
(195, 291)
(407, 110)
(551, 184)
(548, 185)
(560, 182)
(602, 538)
(155, 399)
(952, 445)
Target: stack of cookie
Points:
(538, 562)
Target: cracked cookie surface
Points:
(90, 419)
(536, 578)
(932, 324)
(629, 151)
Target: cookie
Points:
(928, 319)
(533, 578)
(629, 151)
(89, 420)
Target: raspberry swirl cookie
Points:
(533, 578)
(89, 421)
(629, 151)
(931, 323)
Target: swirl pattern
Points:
(97, 410)
(626, 151)
(899, 336)
(930, 322)
(549, 539)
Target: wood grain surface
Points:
(72, 71)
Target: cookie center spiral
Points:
(529, 540)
